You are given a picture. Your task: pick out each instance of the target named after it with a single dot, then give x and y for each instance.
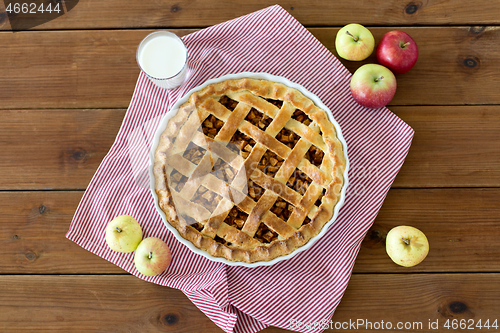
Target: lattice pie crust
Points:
(258, 178)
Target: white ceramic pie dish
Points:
(265, 76)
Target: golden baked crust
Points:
(246, 205)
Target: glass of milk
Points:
(162, 56)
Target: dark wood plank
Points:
(452, 146)
(97, 69)
(184, 13)
(61, 149)
(54, 148)
(34, 225)
(95, 303)
(460, 224)
(68, 69)
(127, 304)
(419, 298)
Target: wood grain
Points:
(97, 69)
(461, 225)
(34, 225)
(419, 298)
(61, 149)
(452, 147)
(91, 14)
(95, 303)
(47, 149)
(68, 69)
(127, 304)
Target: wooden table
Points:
(64, 88)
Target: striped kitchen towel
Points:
(297, 294)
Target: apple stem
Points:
(407, 241)
(118, 229)
(353, 37)
(150, 255)
(379, 78)
(405, 45)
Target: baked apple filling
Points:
(315, 155)
(269, 164)
(243, 143)
(288, 138)
(265, 235)
(300, 116)
(177, 180)
(299, 181)
(258, 119)
(236, 218)
(229, 103)
(211, 126)
(231, 211)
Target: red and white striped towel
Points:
(296, 294)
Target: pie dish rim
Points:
(253, 75)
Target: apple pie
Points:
(249, 169)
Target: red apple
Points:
(398, 51)
(152, 256)
(373, 85)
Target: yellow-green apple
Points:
(398, 51)
(373, 85)
(354, 42)
(407, 246)
(123, 234)
(152, 256)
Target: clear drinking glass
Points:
(163, 57)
